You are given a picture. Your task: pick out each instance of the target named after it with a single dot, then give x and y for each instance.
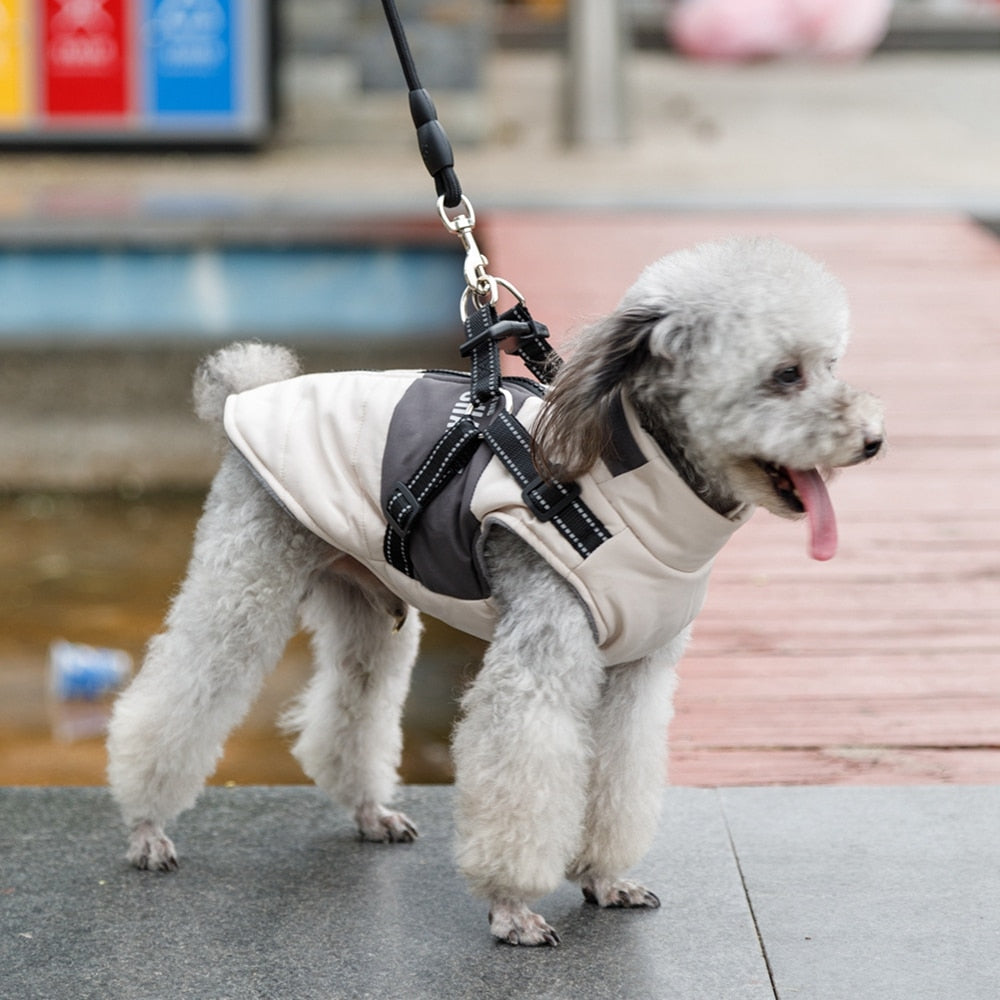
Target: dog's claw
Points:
(548, 938)
(383, 826)
(151, 850)
(158, 864)
(514, 923)
(407, 833)
(619, 894)
(169, 865)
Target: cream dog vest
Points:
(330, 447)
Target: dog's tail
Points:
(235, 369)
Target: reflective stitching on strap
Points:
(518, 466)
(445, 461)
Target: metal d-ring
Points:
(495, 283)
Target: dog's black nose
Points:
(872, 447)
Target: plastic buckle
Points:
(403, 522)
(498, 331)
(556, 497)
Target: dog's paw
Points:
(514, 923)
(150, 849)
(618, 893)
(384, 826)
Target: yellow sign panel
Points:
(13, 91)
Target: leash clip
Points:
(480, 282)
(481, 287)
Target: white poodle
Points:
(709, 391)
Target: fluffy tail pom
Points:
(235, 369)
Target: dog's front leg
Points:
(627, 779)
(523, 748)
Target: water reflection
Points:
(100, 569)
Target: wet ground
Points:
(100, 569)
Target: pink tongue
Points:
(822, 521)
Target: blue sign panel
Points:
(193, 52)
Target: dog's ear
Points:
(574, 428)
(672, 336)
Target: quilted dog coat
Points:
(331, 447)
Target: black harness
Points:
(489, 424)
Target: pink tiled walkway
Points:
(884, 665)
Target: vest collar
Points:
(679, 525)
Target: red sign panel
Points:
(87, 57)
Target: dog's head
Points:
(728, 353)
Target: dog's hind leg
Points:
(226, 629)
(348, 718)
(523, 748)
(627, 778)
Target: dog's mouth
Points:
(803, 491)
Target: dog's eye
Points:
(788, 376)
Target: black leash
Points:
(458, 216)
(485, 331)
(435, 147)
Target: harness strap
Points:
(557, 502)
(481, 345)
(408, 500)
(533, 346)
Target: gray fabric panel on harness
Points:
(556, 502)
(408, 500)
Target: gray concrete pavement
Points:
(825, 894)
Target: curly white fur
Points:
(728, 353)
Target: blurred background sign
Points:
(135, 71)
